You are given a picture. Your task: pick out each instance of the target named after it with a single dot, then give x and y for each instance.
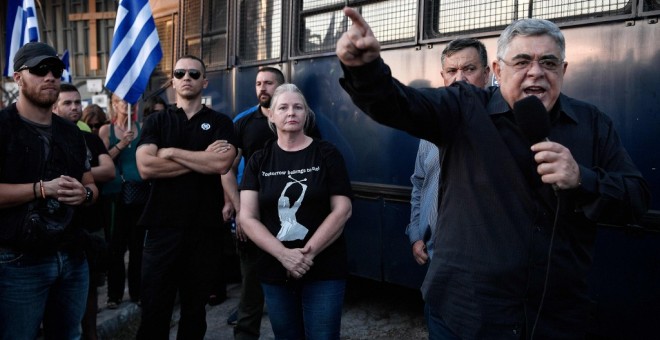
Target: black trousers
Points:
(177, 260)
(125, 234)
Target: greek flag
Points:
(21, 28)
(135, 50)
(66, 75)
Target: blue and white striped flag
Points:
(66, 75)
(21, 28)
(135, 50)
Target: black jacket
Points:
(23, 160)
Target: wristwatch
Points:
(89, 196)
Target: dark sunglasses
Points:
(180, 73)
(42, 70)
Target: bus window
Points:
(651, 5)
(191, 27)
(214, 33)
(322, 23)
(453, 17)
(166, 27)
(260, 32)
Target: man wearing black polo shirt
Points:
(183, 151)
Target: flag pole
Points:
(128, 127)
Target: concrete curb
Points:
(118, 323)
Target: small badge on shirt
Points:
(206, 126)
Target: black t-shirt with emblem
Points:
(191, 200)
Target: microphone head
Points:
(532, 119)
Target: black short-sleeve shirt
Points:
(294, 199)
(87, 217)
(192, 199)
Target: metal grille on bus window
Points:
(165, 27)
(323, 23)
(214, 51)
(452, 17)
(214, 40)
(321, 31)
(192, 27)
(562, 11)
(193, 46)
(316, 4)
(260, 30)
(651, 5)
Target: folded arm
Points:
(151, 166)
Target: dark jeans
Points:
(251, 305)
(125, 235)
(176, 260)
(306, 309)
(438, 330)
(42, 288)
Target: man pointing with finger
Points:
(511, 254)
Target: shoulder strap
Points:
(113, 138)
(245, 113)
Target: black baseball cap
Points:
(33, 53)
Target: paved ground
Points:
(371, 311)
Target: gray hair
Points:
(288, 87)
(530, 27)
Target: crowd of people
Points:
(80, 188)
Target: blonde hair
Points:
(310, 117)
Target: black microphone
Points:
(532, 119)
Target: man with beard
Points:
(183, 150)
(252, 131)
(44, 175)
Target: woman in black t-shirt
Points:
(295, 200)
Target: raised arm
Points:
(358, 45)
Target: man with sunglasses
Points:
(44, 176)
(518, 219)
(183, 151)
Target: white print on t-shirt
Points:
(289, 172)
(291, 230)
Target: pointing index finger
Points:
(358, 21)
